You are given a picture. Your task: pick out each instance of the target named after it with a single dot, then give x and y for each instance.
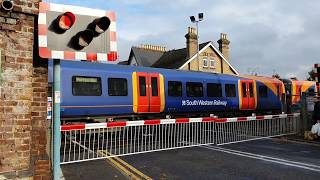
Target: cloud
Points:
(268, 36)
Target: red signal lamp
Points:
(66, 20)
(101, 24)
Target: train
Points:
(91, 91)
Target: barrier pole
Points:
(56, 119)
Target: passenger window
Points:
(86, 86)
(251, 89)
(214, 90)
(154, 86)
(194, 89)
(142, 85)
(263, 91)
(175, 88)
(117, 87)
(230, 90)
(244, 89)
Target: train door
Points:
(247, 95)
(148, 92)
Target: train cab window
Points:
(311, 90)
(86, 86)
(194, 89)
(154, 86)
(263, 91)
(214, 90)
(230, 90)
(175, 88)
(117, 87)
(278, 91)
(142, 85)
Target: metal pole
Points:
(198, 45)
(56, 119)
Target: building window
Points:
(263, 91)
(214, 90)
(205, 62)
(212, 63)
(117, 87)
(86, 86)
(230, 90)
(175, 88)
(194, 89)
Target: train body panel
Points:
(199, 102)
(94, 89)
(87, 105)
(270, 91)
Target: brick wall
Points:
(23, 124)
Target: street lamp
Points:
(193, 20)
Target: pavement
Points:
(275, 158)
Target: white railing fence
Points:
(83, 142)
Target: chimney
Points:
(153, 47)
(192, 42)
(224, 45)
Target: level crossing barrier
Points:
(83, 142)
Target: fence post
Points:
(283, 103)
(304, 113)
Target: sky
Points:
(267, 37)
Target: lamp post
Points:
(193, 20)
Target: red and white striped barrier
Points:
(170, 121)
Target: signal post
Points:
(73, 33)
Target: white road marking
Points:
(296, 164)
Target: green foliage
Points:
(310, 76)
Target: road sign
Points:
(76, 33)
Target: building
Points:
(23, 91)
(211, 59)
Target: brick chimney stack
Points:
(192, 42)
(224, 45)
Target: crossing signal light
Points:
(71, 32)
(66, 20)
(100, 25)
(82, 39)
(97, 27)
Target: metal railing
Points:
(83, 142)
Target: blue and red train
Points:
(93, 90)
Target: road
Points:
(260, 159)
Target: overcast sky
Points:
(266, 36)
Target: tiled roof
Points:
(175, 58)
(146, 57)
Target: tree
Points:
(276, 75)
(311, 76)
